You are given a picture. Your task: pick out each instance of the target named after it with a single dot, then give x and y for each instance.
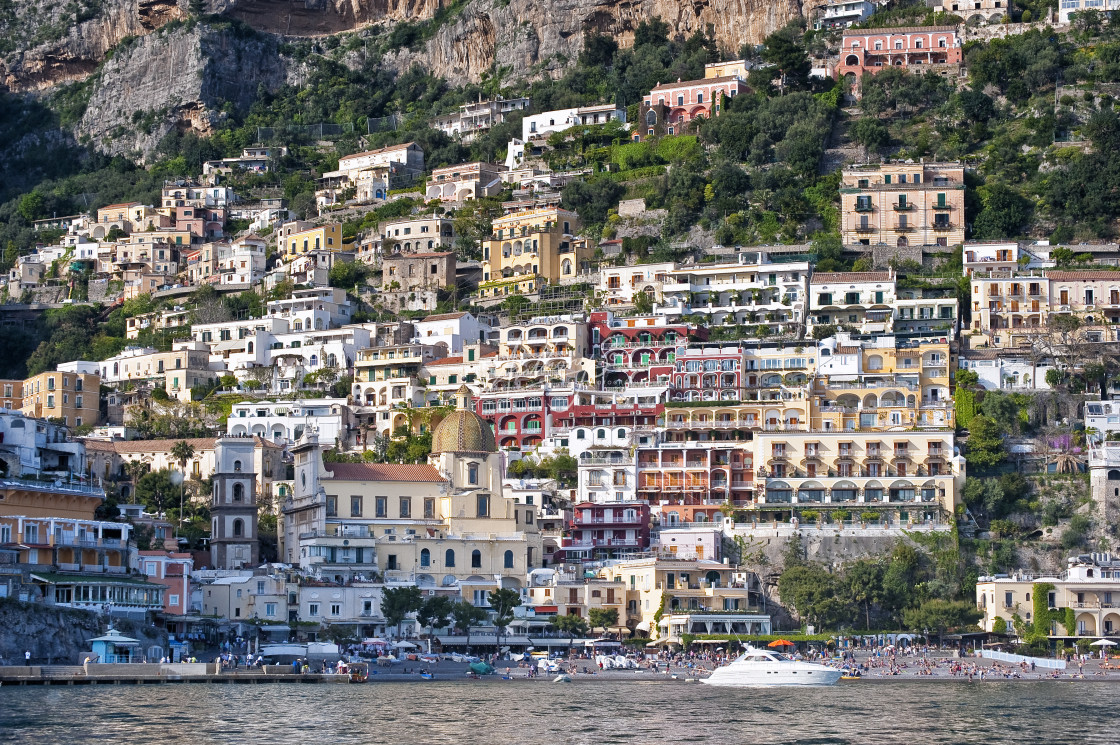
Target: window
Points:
(238, 492)
(483, 505)
(336, 609)
(507, 562)
(381, 507)
(355, 506)
(238, 528)
(332, 506)
(237, 466)
(313, 609)
(476, 559)
(449, 558)
(472, 474)
(406, 507)
(429, 508)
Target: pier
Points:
(157, 673)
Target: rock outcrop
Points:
(176, 80)
(59, 635)
(76, 50)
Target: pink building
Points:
(173, 571)
(915, 48)
(668, 108)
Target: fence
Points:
(383, 123)
(1016, 659)
(310, 131)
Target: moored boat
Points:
(764, 668)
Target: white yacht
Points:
(761, 667)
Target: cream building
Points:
(903, 204)
(446, 524)
(71, 395)
(693, 597)
(862, 302)
(1090, 586)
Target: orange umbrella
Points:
(781, 643)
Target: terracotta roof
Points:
(444, 317)
(899, 30)
(847, 350)
(821, 278)
(702, 81)
(445, 361)
(983, 354)
(122, 204)
(385, 149)
(167, 554)
(383, 472)
(1083, 276)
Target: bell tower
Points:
(233, 505)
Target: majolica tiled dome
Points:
(463, 431)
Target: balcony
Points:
(903, 207)
(865, 228)
(942, 207)
(868, 207)
(904, 228)
(943, 226)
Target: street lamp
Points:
(178, 479)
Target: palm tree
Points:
(182, 451)
(570, 625)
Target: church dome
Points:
(463, 431)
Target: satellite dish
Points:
(176, 477)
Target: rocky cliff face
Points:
(176, 80)
(516, 35)
(59, 635)
(50, 48)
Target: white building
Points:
(33, 446)
(317, 308)
(243, 261)
(540, 126)
(452, 330)
(843, 13)
(286, 421)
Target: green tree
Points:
(863, 582)
(467, 615)
(870, 133)
(813, 593)
(783, 50)
(603, 618)
(643, 303)
(397, 603)
(569, 625)
(156, 491)
(435, 612)
(942, 615)
(502, 601)
(984, 447)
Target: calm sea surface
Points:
(592, 712)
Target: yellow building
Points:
(903, 204)
(905, 475)
(531, 248)
(881, 384)
(72, 397)
(327, 237)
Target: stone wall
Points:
(59, 636)
(631, 207)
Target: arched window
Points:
(425, 558)
(249, 347)
(507, 563)
(237, 466)
(651, 117)
(238, 492)
(238, 528)
(476, 559)
(449, 558)
(566, 267)
(472, 473)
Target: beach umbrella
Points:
(1103, 643)
(780, 643)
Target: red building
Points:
(173, 571)
(638, 350)
(607, 531)
(915, 48)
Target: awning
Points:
(546, 609)
(643, 626)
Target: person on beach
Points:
(27, 658)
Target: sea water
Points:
(496, 712)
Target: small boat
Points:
(764, 668)
(562, 678)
